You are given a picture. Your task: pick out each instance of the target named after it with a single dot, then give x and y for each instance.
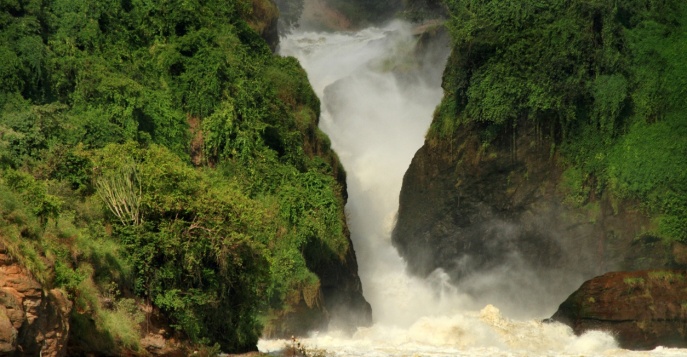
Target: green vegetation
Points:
(666, 276)
(604, 80)
(158, 153)
(634, 281)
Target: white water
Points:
(376, 120)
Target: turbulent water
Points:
(378, 95)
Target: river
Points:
(378, 97)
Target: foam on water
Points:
(483, 333)
(376, 107)
(486, 333)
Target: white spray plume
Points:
(376, 108)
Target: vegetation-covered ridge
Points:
(158, 153)
(603, 81)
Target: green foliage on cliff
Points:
(160, 151)
(603, 79)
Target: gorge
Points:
(425, 177)
(480, 221)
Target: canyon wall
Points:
(473, 209)
(552, 157)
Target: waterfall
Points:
(376, 107)
(378, 95)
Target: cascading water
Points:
(377, 103)
(376, 110)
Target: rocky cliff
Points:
(542, 167)
(32, 321)
(473, 209)
(341, 303)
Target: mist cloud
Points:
(378, 98)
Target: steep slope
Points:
(556, 153)
(160, 166)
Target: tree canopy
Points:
(158, 151)
(604, 79)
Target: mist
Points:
(334, 15)
(378, 99)
(378, 96)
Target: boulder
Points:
(642, 309)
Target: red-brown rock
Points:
(32, 321)
(642, 309)
(8, 334)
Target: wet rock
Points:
(642, 309)
(424, 9)
(342, 291)
(319, 15)
(472, 209)
(339, 304)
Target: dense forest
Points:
(157, 153)
(604, 80)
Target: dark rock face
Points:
(473, 210)
(338, 305)
(32, 321)
(343, 293)
(271, 33)
(320, 15)
(642, 309)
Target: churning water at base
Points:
(378, 95)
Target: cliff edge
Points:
(553, 157)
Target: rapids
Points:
(378, 96)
